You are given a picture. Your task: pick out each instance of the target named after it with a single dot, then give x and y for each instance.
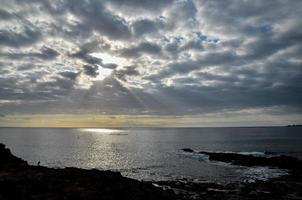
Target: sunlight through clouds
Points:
(172, 57)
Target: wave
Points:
(246, 153)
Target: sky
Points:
(150, 62)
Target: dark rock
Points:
(6, 157)
(188, 150)
(280, 161)
(294, 125)
(269, 153)
(287, 187)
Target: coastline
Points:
(18, 180)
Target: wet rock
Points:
(285, 187)
(282, 162)
(279, 161)
(188, 150)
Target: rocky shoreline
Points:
(285, 187)
(18, 180)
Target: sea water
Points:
(154, 153)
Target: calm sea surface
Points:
(153, 154)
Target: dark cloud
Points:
(45, 53)
(91, 70)
(210, 59)
(144, 47)
(146, 5)
(109, 66)
(126, 71)
(147, 26)
(69, 75)
(86, 57)
(91, 15)
(4, 15)
(15, 39)
(94, 15)
(192, 45)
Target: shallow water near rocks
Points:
(154, 153)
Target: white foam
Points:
(251, 174)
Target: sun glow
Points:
(109, 59)
(103, 73)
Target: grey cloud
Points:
(48, 53)
(147, 26)
(182, 15)
(4, 15)
(192, 45)
(86, 49)
(186, 10)
(126, 71)
(45, 53)
(92, 60)
(264, 47)
(146, 5)
(94, 15)
(199, 99)
(14, 39)
(86, 57)
(144, 47)
(109, 66)
(209, 59)
(176, 47)
(91, 16)
(26, 66)
(70, 75)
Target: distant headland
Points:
(294, 125)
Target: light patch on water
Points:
(253, 174)
(101, 130)
(196, 156)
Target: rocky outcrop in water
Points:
(286, 187)
(279, 161)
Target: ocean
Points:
(154, 154)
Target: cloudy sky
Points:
(202, 62)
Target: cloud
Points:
(4, 15)
(45, 53)
(69, 75)
(126, 71)
(142, 48)
(144, 5)
(15, 39)
(164, 57)
(94, 15)
(147, 26)
(91, 70)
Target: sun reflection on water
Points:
(101, 130)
